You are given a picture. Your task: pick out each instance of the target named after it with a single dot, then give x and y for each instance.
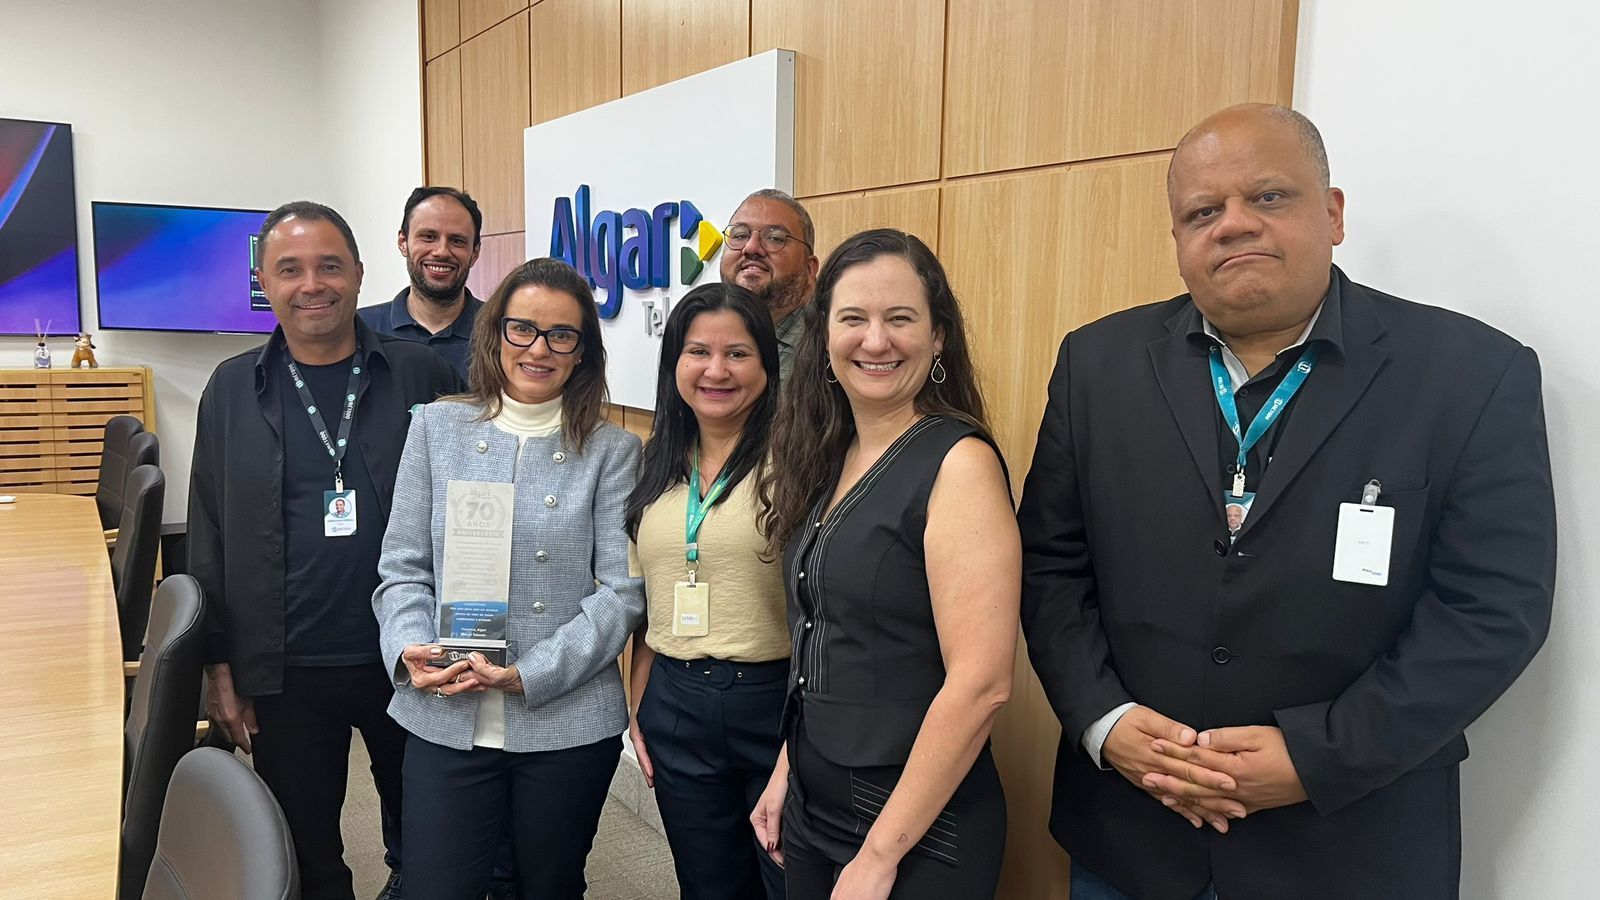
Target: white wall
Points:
(219, 103)
(1464, 135)
(371, 88)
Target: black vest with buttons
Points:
(866, 662)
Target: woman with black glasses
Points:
(534, 737)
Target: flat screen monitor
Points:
(38, 229)
(178, 268)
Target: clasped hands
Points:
(474, 674)
(1210, 777)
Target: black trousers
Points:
(459, 803)
(303, 754)
(712, 731)
(831, 807)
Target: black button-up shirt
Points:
(236, 490)
(1327, 331)
(453, 343)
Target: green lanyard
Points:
(697, 510)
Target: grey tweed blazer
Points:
(572, 604)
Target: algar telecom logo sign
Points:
(630, 250)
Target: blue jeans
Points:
(1086, 885)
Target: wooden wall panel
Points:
(664, 40)
(576, 62)
(868, 82)
(915, 210)
(1079, 79)
(494, 111)
(1036, 254)
(442, 119)
(478, 16)
(637, 421)
(1041, 85)
(1032, 256)
(500, 254)
(441, 26)
(1024, 739)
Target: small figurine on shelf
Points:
(41, 356)
(83, 351)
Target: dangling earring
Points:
(827, 372)
(937, 375)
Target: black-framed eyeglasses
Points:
(522, 333)
(773, 238)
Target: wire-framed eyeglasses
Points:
(773, 238)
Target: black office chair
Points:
(160, 725)
(133, 562)
(144, 449)
(223, 836)
(114, 468)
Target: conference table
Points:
(61, 701)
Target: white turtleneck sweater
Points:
(524, 420)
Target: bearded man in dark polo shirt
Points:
(296, 448)
(440, 236)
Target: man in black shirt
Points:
(440, 236)
(296, 448)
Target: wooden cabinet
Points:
(53, 420)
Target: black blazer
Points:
(236, 488)
(1131, 591)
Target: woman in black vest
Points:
(902, 562)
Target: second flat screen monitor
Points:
(178, 268)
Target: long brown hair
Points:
(585, 391)
(815, 423)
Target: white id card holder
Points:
(1361, 545)
(338, 513)
(691, 609)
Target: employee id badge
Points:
(1236, 509)
(339, 513)
(1362, 543)
(691, 609)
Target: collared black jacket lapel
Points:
(1185, 379)
(1324, 401)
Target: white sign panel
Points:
(635, 194)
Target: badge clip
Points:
(1369, 493)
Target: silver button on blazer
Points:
(570, 612)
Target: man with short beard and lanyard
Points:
(771, 252)
(440, 235)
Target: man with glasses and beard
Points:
(440, 235)
(771, 253)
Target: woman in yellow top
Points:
(709, 666)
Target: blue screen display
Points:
(178, 268)
(38, 229)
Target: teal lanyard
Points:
(1223, 383)
(697, 508)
